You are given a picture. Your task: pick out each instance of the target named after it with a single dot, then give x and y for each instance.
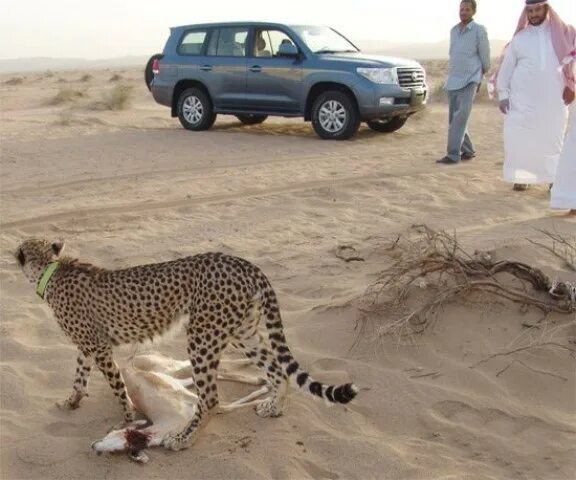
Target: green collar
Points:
(45, 278)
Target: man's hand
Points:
(568, 96)
(505, 106)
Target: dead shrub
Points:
(66, 95)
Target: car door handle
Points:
(255, 68)
(206, 68)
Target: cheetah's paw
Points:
(174, 442)
(71, 403)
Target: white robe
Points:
(534, 127)
(564, 189)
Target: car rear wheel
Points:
(195, 110)
(148, 74)
(387, 126)
(335, 116)
(251, 118)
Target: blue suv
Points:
(254, 69)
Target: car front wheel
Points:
(335, 116)
(195, 110)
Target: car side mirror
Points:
(288, 50)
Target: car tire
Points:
(251, 118)
(148, 74)
(195, 110)
(387, 126)
(335, 116)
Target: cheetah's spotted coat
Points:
(224, 298)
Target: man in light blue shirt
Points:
(469, 62)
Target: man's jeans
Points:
(460, 108)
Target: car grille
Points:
(411, 77)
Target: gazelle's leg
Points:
(235, 362)
(185, 370)
(246, 401)
(241, 378)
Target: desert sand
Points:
(130, 186)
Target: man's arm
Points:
(506, 71)
(484, 50)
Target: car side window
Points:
(192, 43)
(267, 42)
(228, 42)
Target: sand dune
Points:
(130, 186)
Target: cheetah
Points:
(222, 299)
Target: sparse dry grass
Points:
(15, 81)
(119, 98)
(69, 119)
(66, 95)
(436, 74)
(65, 119)
(439, 95)
(116, 77)
(435, 68)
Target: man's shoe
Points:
(520, 187)
(447, 161)
(467, 156)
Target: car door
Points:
(273, 83)
(190, 55)
(224, 67)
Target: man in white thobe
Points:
(564, 190)
(530, 88)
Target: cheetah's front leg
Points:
(80, 389)
(205, 347)
(107, 365)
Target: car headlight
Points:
(379, 75)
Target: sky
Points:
(114, 28)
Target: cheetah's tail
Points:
(330, 393)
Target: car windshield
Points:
(324, 40)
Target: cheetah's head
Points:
(33, 255)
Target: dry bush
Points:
(562, 248)
(436, 74)
(86, 78)
(439, 95)
(482, 96)
(116, 77)
(119, 98)
(435, 68)
(65, 119)
(15, 81)
(435, 266)
(66, 95)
